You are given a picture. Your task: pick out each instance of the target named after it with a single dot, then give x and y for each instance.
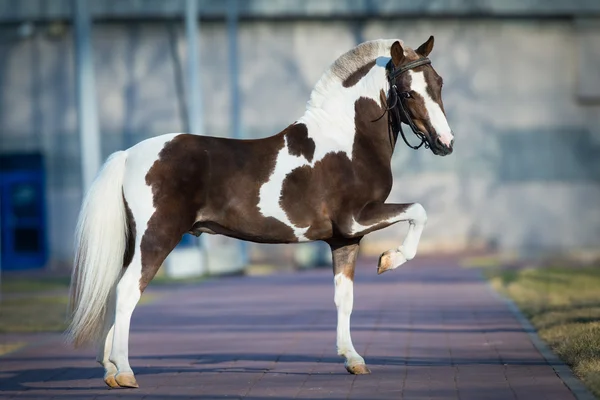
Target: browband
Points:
(413, 64)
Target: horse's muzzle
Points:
(440, 149)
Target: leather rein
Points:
(397, 110)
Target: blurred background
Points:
(81, 79)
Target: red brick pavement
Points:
(426, 330)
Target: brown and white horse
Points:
(325, 177)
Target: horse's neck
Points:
(346, 113)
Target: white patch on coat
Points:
(344, 301)
(331, 127)
(346, 65)
(140, 159)
(357, 227)
(436, 115)
(270, 192)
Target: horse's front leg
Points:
(344, 259)
(377, 216)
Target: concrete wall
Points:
(522, 96)
(18, 10)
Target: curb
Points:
(560, 368)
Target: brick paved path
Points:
(427, 330)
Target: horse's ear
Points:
(397, 53)
(426, 47)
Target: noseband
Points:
(398, 109)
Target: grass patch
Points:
(11, 285)
(35, 314)
(41, 313)
(6, 348)
(481, 262)
(563, 304)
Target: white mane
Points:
(346, 65)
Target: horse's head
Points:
(419, 89)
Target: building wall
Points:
(522, 96)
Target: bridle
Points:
(397, 110)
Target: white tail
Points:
(100, 240)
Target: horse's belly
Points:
(260, 229)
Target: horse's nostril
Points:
(452, 143)
(439, 143)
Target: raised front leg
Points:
(378, 216)
(344, 260)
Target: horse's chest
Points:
(307, 196)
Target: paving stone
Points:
(428, 330)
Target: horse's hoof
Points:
(358, 369)
(111, 381)
(126, 380)
(386, 262)
(391, 259)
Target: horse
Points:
(325, 177)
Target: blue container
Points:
(22, 212)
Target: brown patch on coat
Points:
(131, 234)
(357, 75)
(298, 142)
(326, 197)
(344, 253)
(311, 196)
(207, 184)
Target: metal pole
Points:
(232, 32)
(194, 98)
(0, 245)
(236, 127)
(89, 136)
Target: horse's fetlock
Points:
(408, 254)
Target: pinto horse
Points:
(325, 177)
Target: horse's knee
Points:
(418, 215)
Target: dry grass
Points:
(38, 304)
(33, 314)
(40, 313)
(563, 304)
(6, 348)
(33, 304)
(10, 285)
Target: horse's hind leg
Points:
(151, 250)
(127, 296)
(344, 260)
(110, 369)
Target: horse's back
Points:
(183, 179)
